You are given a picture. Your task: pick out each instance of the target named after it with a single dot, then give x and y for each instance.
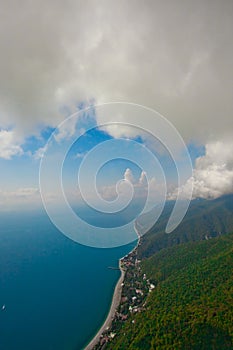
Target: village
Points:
(135, 289)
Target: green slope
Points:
(204, 219)
(192, 304)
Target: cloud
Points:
(213, 173)
(142, 180)
(172, 56)
(118, 130)
(39, 153)
(66, 130)
(140, 187)
(128, 176)
(25, 192)
(9, 146)
(19, 198)
(81, 154)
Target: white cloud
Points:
(118, 130)
(142, 179)
(66, 130)
(213, 173)
(140, 186)
(128, 175)
(172, 56)
(108, 192)
(9, 145)
(81, 154)
(25, 192)
(19, 198)
(40, 152)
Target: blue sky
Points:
(20, 173)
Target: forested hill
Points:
(205, 219)
(191, 306)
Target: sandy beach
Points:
(115, 303)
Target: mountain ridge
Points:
(205, 219)
(191, 303)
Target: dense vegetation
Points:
(204, 219)
(192, 304)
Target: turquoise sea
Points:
(54, 293)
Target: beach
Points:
(115, 301)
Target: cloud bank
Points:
(9, 145)
(21, 198)
(213, 174)
(141, 186)
(173, 56)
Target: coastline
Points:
(114, 305)
(115, 301)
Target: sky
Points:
(175, 57)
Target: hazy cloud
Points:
(128, 175)
(81, 154)
(9, 146)
(213, 174)
(140, 186)
(173, 56)
(21, 196)
(142, 179)
(40, 152)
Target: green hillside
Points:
(204, 219)
(191, 306)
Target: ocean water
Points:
(56, 293)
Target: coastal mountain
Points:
(191, 306)
(205, 219)
(178, 287)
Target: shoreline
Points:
(115, 301)
(114, 305)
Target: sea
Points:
(54, 293)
